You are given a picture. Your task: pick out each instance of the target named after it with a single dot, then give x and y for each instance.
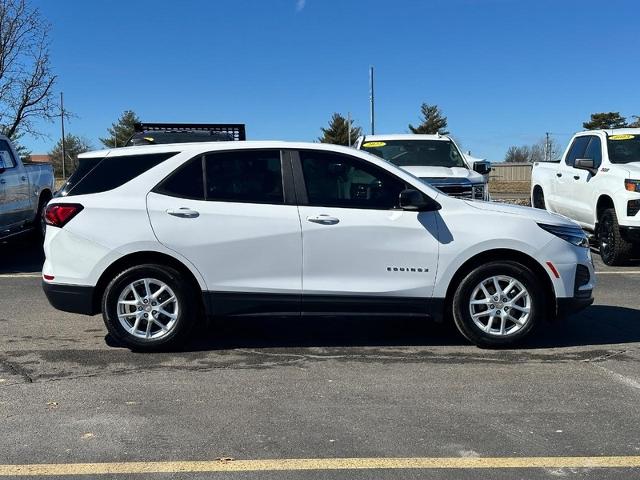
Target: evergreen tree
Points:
(74, 146)
(433, 121)
(605, 120)
(338, 131)
(122, 130)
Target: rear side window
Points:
(248, 176)
(576, 150)
(6, 157)
(112, 172)
(186, 182)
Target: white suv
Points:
(157, 237)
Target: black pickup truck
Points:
(159, 133)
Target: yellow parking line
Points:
(123, 468)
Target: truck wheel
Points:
(538, 198)
(614, 250)
(498, 304)
(149, 308)
(40, 227)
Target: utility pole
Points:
(547, 153)
(371, 99)
(64, 150)
(349, 128)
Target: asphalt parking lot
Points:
(253, 397)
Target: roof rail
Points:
(236, 130)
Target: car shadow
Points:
(598, 325)
(21, 254)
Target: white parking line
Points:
(620, 272)
(20, 275)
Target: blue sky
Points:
(504, 72)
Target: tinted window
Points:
(112, 172)
(6, 157)
(85, 165)
(624, 148)
(186, 182)
(431, 153)
(244, 176)
(577, 149)
(594, 151)
(335, 180)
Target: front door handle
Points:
(23, 178)
(323, 220)
(558, 175)
(184, 213)
(2, 180)
(576, 177)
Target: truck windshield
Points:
(624, 148)
(417, 153)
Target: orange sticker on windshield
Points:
(621, 137)
(373, 144)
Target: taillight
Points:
(58, 215)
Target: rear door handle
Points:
(323, 220)
(2, 180)
(558, 175)
(576, 177)
(184, 213)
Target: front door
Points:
(227, 213)
(582, 190)
(361, 252)
(562, 201)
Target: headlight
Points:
(632, 185)
(573, 235)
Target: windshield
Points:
(624, 148)
(417, 153)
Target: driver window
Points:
(594, 151)
(335, 180)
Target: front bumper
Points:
(70, 298)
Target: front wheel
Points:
(614, 250)
(149, 307)
(498, 304)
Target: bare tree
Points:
(26, 79)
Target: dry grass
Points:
(497, 186)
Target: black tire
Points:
(538, 198)
(614, 250)
(38, 223)
(463, 297)
(186, 306)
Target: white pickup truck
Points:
(597, 184)
(435, 159)
(25, 190)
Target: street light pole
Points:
(64, 150)
(371, 101)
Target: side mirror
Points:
(482, 167)
(2, 169)
(416, 201)
(585, 164)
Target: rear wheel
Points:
(538, 198)
(40, 227)
(498, 304)
(149, 307)
(614, 250)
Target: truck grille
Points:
(457, 188)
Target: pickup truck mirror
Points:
(2, 169)
(585, 164)
(416, 201)
(482, 167)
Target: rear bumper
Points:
(569, 306)
(70, 298)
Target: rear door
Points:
(233, 215)
(360, 251)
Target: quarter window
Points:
(576, 150)
(334, 180)
(248, 176)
